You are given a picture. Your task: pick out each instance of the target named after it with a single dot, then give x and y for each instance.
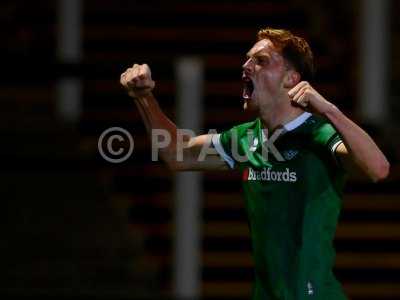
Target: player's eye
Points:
(261, 60)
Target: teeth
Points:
(248, 87)
(247, 90)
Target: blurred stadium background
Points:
(76, 225)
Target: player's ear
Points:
(291, 79)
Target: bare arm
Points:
(139, 85)
(358, 152)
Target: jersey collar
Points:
(297, 121)
(292, 124)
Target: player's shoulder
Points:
(236, 133)
(321, 125)
(315, 124)
(243, 128)
(318, 129)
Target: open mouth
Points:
(248, 87)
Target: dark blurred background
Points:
(75, 225)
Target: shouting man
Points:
(292, 196)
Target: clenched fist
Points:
(137, 80)
(304, 95)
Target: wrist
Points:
(141, 99)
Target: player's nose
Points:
(247, 65)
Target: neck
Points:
(279, 115)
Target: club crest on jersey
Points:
(290, 154)
(266, 174)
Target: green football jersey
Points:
(293, 200)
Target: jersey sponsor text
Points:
(266, 174)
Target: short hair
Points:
(293, 48)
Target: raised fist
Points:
(137, 80)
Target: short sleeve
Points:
(222, 144)
(327, 139)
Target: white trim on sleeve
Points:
(333, 149)
(215, 139)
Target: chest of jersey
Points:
(279, 193)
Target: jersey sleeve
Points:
(222, 143)
(327, 139)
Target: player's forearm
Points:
(152, 115)
(154, 118)
(138, 83)
(363, 150)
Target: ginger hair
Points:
(293, 48)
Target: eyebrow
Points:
(258, 53)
